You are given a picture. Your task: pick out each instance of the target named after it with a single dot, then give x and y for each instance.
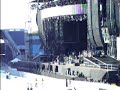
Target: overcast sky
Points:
(14, 13)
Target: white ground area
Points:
(38, 82)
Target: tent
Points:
(15, 60)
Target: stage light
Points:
(84, 16)
(72, 18)
(80, 18)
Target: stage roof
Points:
(41, 0)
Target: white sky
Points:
(14, 13)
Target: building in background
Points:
(14, 43)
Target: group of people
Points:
(73, 57)
(87, 53)
(30, 85)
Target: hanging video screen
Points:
(64, 10)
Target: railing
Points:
(109, 66)
(90, 63)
